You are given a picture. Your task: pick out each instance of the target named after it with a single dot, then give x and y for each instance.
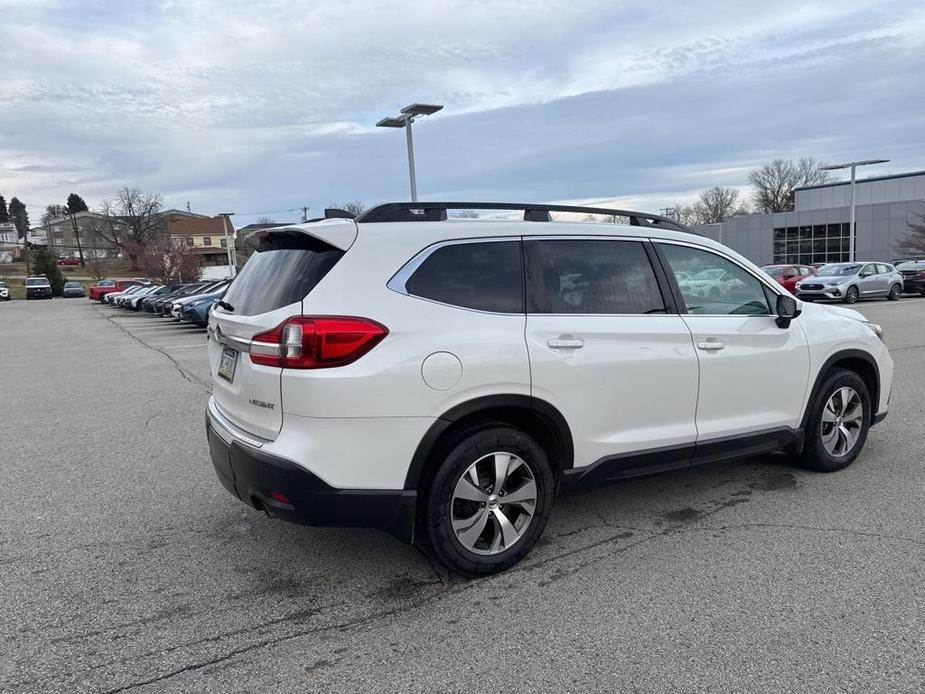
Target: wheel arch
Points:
(860, 362)
(532, 415)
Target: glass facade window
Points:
(806, 245)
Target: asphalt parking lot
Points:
(125, 566)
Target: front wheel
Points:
(895, 292)
(838, 421)
(851, 296)
(488, 501)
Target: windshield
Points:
(72, 284)
(839, 269)
(912, 265)
(105, 283)
(36, 282)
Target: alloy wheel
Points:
(842, 419)
(493, 503)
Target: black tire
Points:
(896, 291)
(437, 503)
(814, 455)
(851, 296)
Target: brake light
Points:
(316, 342)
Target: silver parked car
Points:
(849, 282)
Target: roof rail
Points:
(533, 212)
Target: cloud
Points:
(261, 105)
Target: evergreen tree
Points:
(76, 204)
(44, 264)
(19, 217)
(4, 214)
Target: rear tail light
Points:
(316, 342)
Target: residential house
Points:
(83, 231)
(10, 245)
(205, 236)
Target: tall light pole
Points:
(229, 243)
(853, 165)
(404, 120)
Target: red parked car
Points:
(787, 276)
(104, 287)
(67, 260)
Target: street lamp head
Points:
(848, 165)
(421, 109)
(391, 123)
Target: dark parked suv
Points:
(913, 273)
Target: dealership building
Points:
(817, 231)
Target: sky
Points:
(263, 106)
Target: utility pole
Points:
(76, 229)
(305, 214)
(229, 243)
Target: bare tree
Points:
(775, 181)
(265, 220)
(168, 260)
(356, 208)
(467, 214)
(914, 242)
(717, 204)
(683, 214)
(132, 221)
(53, 212)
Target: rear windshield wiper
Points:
(225, 305)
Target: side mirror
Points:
(787, 310)
(866, 273)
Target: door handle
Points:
(711, 345)
(565, 342)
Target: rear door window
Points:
(285, 268)
(481, 275)
(590, 277)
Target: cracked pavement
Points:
(126, 567)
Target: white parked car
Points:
(441, 380)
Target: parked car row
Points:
(850, 282)
(189, 302)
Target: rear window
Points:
(284, 270)
(482, 275)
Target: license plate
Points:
(228, 363)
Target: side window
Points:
(884, 269)
(590, 277)
(712, 285)
(482, 275)
(806, 271)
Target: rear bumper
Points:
(253, 476)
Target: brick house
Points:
(204, 235)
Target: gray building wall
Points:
(869, 191)
(879, 228)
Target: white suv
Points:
(443, 378)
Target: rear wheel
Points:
(838, 421)
(488, 501)
(895, 292)
(851, 296)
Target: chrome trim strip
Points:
(223, 421)
(239, 343)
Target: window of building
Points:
(189, 240)
(224, 243)
(206, 240)
(590, 277)
(809, 245)
(487, 276)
